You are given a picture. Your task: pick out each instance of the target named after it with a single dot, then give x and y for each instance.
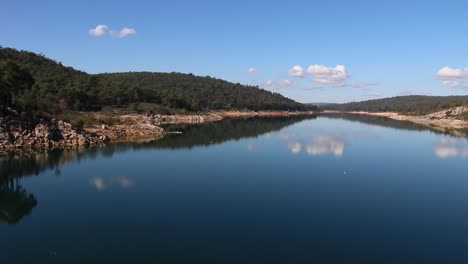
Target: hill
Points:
(413, 104)
(58, 88)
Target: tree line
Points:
(31, 82)
(413, 104)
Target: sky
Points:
(311, 51)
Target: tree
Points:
(13, 81)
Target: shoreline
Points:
(140, 128)
(133, 127)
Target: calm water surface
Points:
(286, 190)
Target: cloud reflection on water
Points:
(319, 145)
(326, 144)
(450, 147)
(100, 183)
(315, 146)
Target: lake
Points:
(319, 189)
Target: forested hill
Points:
(58, 88)
(413, 104)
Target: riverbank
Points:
(126, 127)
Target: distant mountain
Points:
(59, 88)
(413, 104)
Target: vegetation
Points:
(47, 87)
(414, 104)
(14, 81)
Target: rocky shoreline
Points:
(46, 134)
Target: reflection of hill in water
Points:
(16, 202)
(391, 123)
(15, 165)
(19, 164)
(225, 130)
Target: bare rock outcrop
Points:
(45, 134)
(130, 132)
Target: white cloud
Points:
(296, 71)
(329, 75)
(271, 85)
(124, 32)
(447, 73)
(252, 70)
(103, 30)
(455, 84)
(285, 83)
(450, 83)
(98, 31)
(452, 77)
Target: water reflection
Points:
(326, 144)
(101, 183)
(15, 202)
(225, 130)
(450, 147)
(380, 121)
(319, 145)
(396, 124)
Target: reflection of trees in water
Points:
(19, 164)
(378, 120)
(26, 163)
(15, 202)
(225, 130)
(206, 134)
(14, 165)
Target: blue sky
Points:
(358, 50)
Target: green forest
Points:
(413, 104)
(32, 83)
